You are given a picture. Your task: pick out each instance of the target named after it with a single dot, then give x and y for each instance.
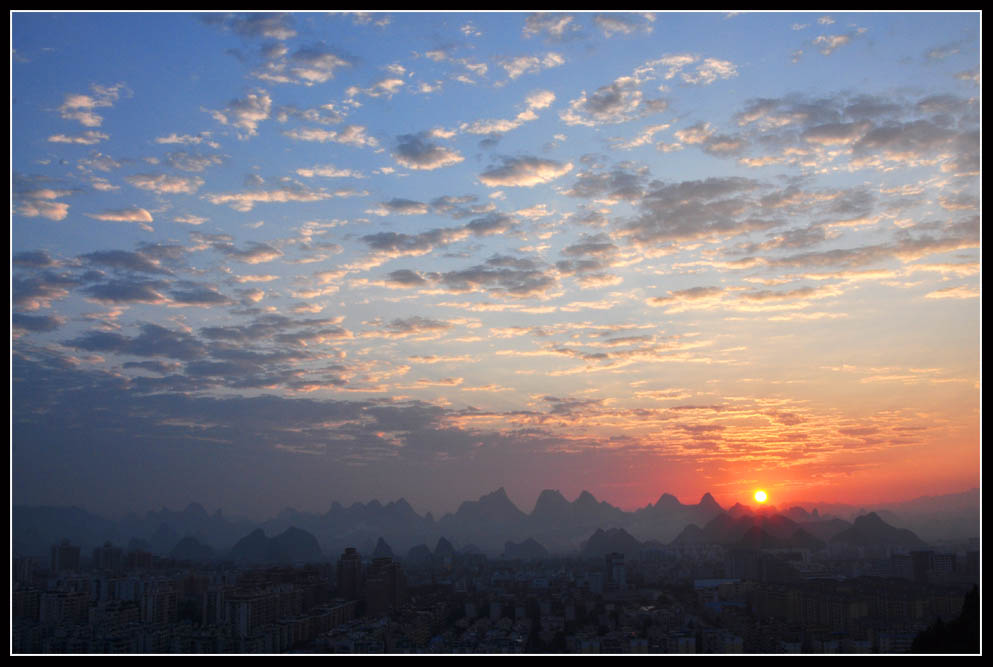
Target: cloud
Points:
(644, 138)
(393, 244)
(39, 291)
(80, 107)
(255, 253)
(328, 171)
(689, 210)
(387, 87)
(905, 248)
(617, 102)
(870, 132)
(537, 100)
(256, 25)
(416, 151)
(246, 201)
(524, 172)
(405, 278)
(127, 291)
(192, 294)
(35, 259)
(124, 260)
(460, 207)
(87, 138)
(22, 323)
(710, 70)
(195, 162)
(190, 219)
(246, 113)
(828, 44)
(32, 199)
(619, 184)
(278, 328)
(516, 67)
(956, 292)
(680, 300)
(410, 326)
(184, 138)
(624, 24)
(489, 224)
(316, 64)
(134, 214)
(705, 72)
(153, 341)
(100, 162)
(501, 275)
(350, 135)
(165, 184)
(556, 27)
(400, 207)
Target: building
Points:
(616, 572)
(108, 557)
(385, 586)
(349, 574)
(65, 556)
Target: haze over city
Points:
(279, 260)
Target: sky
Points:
(271, 260)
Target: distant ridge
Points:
(488, 523)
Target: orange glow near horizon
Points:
(761, 496)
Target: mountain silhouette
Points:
(558, 524)
(293, 545)
(189, 548)
(870, 530)
(487, 521)
(756, 531)
(615, 540)
(529, 549)
(382, 550)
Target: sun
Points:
(760, 496)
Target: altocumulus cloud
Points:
(524, 171)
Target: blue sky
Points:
(280, 259)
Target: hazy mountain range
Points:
(494, 525)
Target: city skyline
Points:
(272, 260)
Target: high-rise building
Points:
(349, 574)
(923, 563)
(385, 586)
(108, 557)
(65, 556)
(616, 573)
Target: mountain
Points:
(163, 539)
(253, 548)
(871, 530)
(419, 556)
(615, 540)
(551, 508)
(487, 522)
(35, 529)
(162, 528)
(382, 550)
(561, 526)
(360, 524)
(529, 549)
(294, 545)
(756, 538)
(189, 548)
(951, 516)
(668, 517)
(825, 530)
(757, 531)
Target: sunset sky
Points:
(269, 260)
